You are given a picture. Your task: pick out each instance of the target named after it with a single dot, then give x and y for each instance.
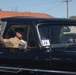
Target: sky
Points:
(56, 8)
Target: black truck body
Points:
(51, 46)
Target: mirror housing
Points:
(66, 29)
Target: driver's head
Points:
(19, 33)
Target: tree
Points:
(73, 17)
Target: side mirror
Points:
(66, 29)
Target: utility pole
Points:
(16, 9)
(66, 6)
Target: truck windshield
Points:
(57, 35)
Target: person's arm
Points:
(8, 43)
(2, 40)
(5, 42)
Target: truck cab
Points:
(51, 46)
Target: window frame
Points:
(30, 29)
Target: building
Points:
(10, 13)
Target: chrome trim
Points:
(17, 70)
(10, 71)
(3, 27)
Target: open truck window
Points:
(27, 33)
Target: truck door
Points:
(63, 57)
(33, 57)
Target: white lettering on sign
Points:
(45, 42)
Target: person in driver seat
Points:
(15, 42)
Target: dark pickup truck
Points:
(51, 46)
